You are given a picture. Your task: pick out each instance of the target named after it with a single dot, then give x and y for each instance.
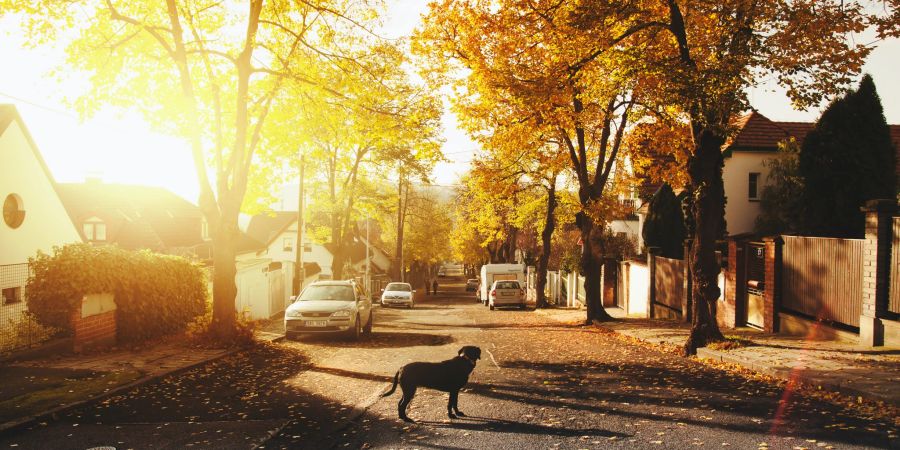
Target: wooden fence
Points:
(669, 283)
(894, 302)
(822, 278)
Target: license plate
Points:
(316, 323)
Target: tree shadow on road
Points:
(475, 423)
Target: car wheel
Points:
(368, 328)
(290, 336)
(492, 307)
(354, 332)
(522, 306)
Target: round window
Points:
(13, 212)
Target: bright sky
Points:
(125, 150)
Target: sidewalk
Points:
(870, 373)
(36, 389)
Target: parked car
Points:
(507, 293)
(330, 307)
(397, 294)
(472, 285)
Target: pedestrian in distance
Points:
(434, 286)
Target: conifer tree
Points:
(664, 227)
(846, 160)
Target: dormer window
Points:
(94, 229)
(288, 244)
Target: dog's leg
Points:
(408, 394)
(452, 407)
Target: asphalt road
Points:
(540, 384)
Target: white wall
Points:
(46, 222)
(632, 228)
(319, 254)
(740, 211)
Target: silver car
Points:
(507, 293)
(330, 307)
(398, 294)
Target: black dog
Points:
(448, 376)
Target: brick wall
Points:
(727, 311)
(94, 331)
(772, 293)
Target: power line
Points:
(38, 105)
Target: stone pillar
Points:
(876, 270)
(772, 288)
(686, 302)
(735, 284)
(652, 253)
(94, 323)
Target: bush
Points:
(155, 294)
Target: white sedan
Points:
(506, 293)
(397, 294)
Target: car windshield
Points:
(327, 292)
(508, 285)
(401, 287)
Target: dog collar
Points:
(466, 357)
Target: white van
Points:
(498, 272)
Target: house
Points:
(136, 218)
(745, 173)
(278, 234)
(34, 217)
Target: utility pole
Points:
(398, 253)
(299, 271)
(368, 277)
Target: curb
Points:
(788, 374)
(29, 420)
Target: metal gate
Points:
(822, 278)
(754, 308)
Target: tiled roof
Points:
(267, 226)
(136, 217)
(757, 133)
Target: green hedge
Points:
(155, 294)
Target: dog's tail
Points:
(394, 386)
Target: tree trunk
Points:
(337, 262)
(546, 237)
(591, 261)
(705, 172)
(224, 287)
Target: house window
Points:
(204, 229)
(13, 212)
(12, 295)
(307, 248)
(94, 229)
(288, 244)
(753, 186)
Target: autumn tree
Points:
(211, 73)
(704, 59)
(371, 120)
(545, 68)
